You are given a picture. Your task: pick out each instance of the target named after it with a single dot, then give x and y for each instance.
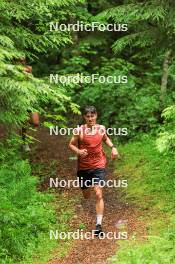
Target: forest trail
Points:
(55, 148)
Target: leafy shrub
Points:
(25, 213)
(166, 139)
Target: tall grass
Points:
(151, 186)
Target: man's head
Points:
(28, 69)
(90, 115)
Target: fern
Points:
(149, 23)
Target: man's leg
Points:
(25, 145)
(99, 209)
(33, 120)
(99, 203)
(23, 133)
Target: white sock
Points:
(99, 219)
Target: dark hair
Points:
(89, 109)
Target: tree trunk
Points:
(165, 75)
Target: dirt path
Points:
(94, 250)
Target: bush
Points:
(25, 214)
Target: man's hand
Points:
(114, 153)
(82, 153)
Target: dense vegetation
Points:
(25, 213)
(150, 178)
(144, 104)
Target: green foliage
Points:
(24, 32)
(166, 137)
(135, 104)
(150, 174)
(150, 177)
(26, 214)
(150, 23)
(157, 250)
(138, 53)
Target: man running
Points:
(87, 144)
(33, 117)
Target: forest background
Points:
(144, 105)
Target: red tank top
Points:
(93, 143)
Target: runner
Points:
(33, 120)
(87, 144)
(33, 117)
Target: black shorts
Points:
(91, 177)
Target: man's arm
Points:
(73, 146)
(114, 152)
